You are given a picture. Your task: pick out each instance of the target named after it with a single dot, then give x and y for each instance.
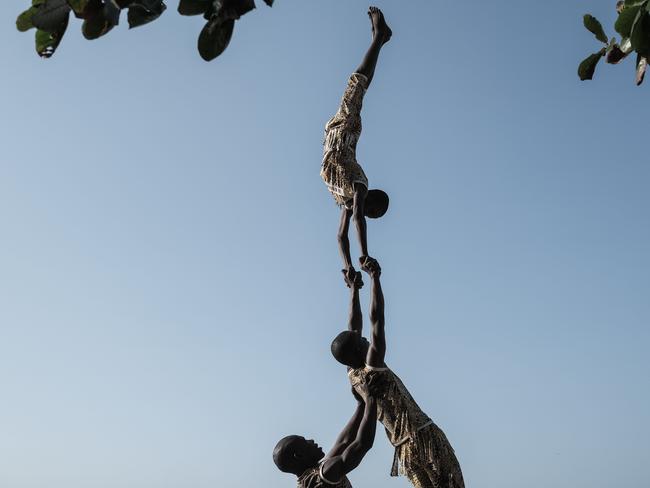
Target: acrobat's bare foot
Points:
(379, 26)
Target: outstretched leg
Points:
(381, 34)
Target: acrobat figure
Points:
(304, 458)
(422, 451)
(340, 170)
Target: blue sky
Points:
(169, 274)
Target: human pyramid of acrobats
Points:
(422, 451)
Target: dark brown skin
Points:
(354, 441)
(295, 453)
(372, 353)
(352, 444)
(381, 34)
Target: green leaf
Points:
(43, 42)
(112, 12)
(588, 66)
(634, 3)
(47, 42)
(100, 19)
(51, 15)
(24, 20)
(640, 37)
(241, 7)
(615, 55)
(626, 45)
(626, 20)
(595, 27)
(94, 27)
(193, 7)
(79, 6)
(214, 9)
(228, 9)
(214, 38)
(641, 66)
(143, 12)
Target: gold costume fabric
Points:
(313, 478)
(422, 451)
(340, 169)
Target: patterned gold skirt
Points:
(428, 460)
(340, 174)
(340, 169)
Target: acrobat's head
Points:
(350, 348)
(295, 454)
(376, 204)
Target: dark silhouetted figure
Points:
(340, 170)
(304, 458)
(422, 451)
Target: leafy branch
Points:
(633, 25)
(50, 19)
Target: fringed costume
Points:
(422, 451)
(340, 169)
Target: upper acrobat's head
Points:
(376, 204)
(295, 454)
(350, 348)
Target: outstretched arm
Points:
(355, 322)
(349, 432)
(334, 469)
(344, 240)
(377, 350)
(359, 214)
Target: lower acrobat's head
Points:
(295, 454)
(376, 204)
(350, 348)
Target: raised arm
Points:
(335, 468)
(355, 322)
(349, 432)
(377, 350)
(344, 240)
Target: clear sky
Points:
(169, 277)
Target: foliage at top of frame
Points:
(50, 19)
(633, 25)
